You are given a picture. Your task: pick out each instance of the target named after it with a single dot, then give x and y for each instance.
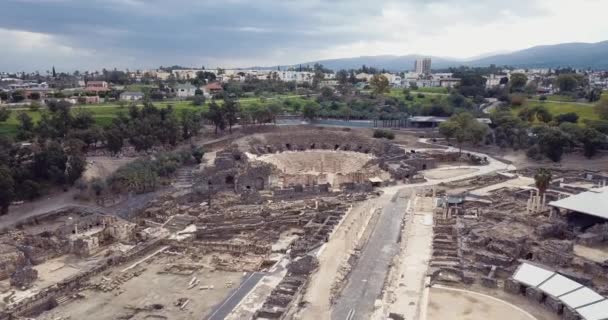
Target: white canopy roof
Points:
(589, 304)
(593, 202)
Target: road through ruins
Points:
(366, 280)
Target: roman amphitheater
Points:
(322, 223)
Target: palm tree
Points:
(542, 178)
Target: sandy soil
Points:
(151, 287)
(443, 173)
(317, 161)
(513, 183)
(595, 254)
(102, 167)
(447, 304)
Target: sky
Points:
(143, 34)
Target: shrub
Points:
(379, 134)
(534, 153)
(518, 100)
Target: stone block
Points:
(554, 304)
(535, 294)
(489, 282)
(570, 314)
(468, 278)
(513, 287)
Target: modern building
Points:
(97, 86)
(131, 96)
(185, 90)
(423, 66)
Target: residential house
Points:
(213, 88)
(183, 74)
(185, 90)
(97, 86)
(449, 82)
(87, 99)
(363, 76)
(131, 96)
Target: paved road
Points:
(367, 278)
(223, 309)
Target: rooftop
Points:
(593, 202)
(587, 303)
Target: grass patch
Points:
(427, 99)
(432, 90)
(584, 112)
(104, 113)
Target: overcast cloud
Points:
(91, 34)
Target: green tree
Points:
(197, 154)
(342, 77)
(592, 140)
(25, 129)
(310, 110)
(542, 180)
(34, 96)
(114, 140)
(216, 116)
(274, 109)
(5, 113)
(602, 109)
(567, 82)
(190, 122)
(75, 167)
(571, 117)
(7, 189)
(518, 82)
(552, 142)
(379, 84)
(198, 100)
(231, 110)
(18, 96)
(463, 127)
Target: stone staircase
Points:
(445, 262)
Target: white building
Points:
(131, 96)
(297, 76)
(185, 74)
(185, 90)
(423, 66)
(493, 80)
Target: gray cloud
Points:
(148, 33)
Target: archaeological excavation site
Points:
(324, 223)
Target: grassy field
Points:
(427, 99)
(104, 113)
(432, 90)
(585, 112)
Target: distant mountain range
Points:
(575, 55)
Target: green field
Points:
(104, 113)
(584, 111)
(432, 90)
(428, 98)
